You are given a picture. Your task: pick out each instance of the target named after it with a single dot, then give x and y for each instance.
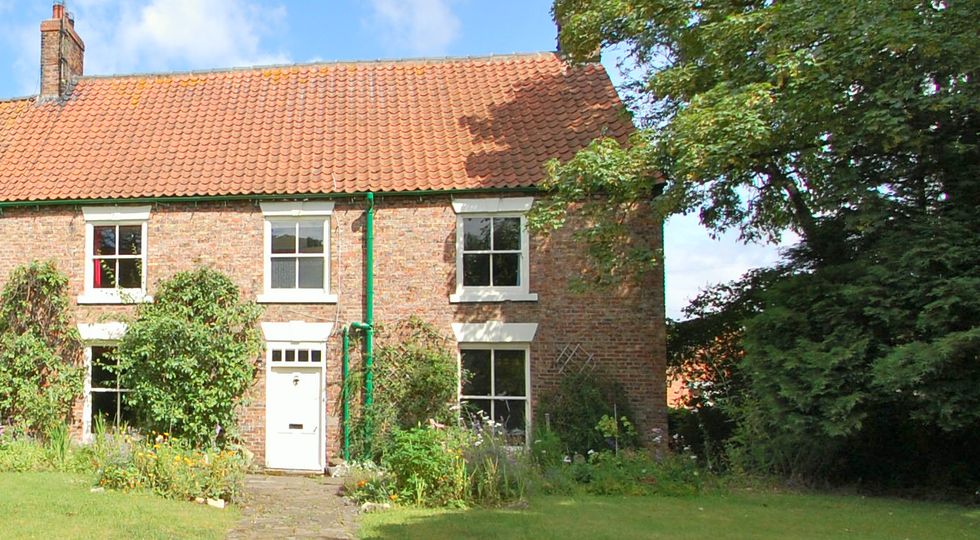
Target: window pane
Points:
(472, 409)
(105, 240)
(476, 233)
(130, 273)
(284, 273)
(105, 274)
(506, 269)
(284, 237)
(510, 413)
(102, 377)
(311, 237)
(104, 404)
(506, 234)
(476, 270)
(304, 356)
(315, 356)
(311, 273)
(126, 414)
(277, 355)
(508, 373)
(130, 240)
(290, 355)
(476, 372)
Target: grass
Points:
(55, 505)
(741, 515)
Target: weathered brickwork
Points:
(62, 54)
(414, 275)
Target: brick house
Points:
(265, 175)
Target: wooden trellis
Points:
(572, 358)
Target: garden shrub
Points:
(629, 472)
(577, 405)
(190, 356)
(40, 351)
(703, 431)
(366, 482)
(428, 465)
(22, 454)
(174, 469)
(546, 448)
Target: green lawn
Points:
(52, 505)
(715, 517)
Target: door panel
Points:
(294, 410)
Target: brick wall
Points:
(414, 275)
(62, 54)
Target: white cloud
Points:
(693, 260)
(424, 27)
(122, 36)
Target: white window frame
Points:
(95, 335)
(511, 207)
(97, 216)
(500, 336)
(492, 347)
(311, 211)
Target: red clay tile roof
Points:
(322, 128)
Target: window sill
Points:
(115, 296)
(297, 297)
(492, 296)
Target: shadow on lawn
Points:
(562, 519)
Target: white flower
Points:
(591, 451)
(567, 459)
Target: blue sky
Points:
(134, 36)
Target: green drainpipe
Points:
(368, 327)
(344, 389)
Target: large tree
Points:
(854, 124)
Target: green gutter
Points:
(368, 327)
(263, 197)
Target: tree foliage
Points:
(40, 350)
(190, 357)
(767, 116)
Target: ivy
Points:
(40, 351)
(190, 357)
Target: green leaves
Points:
(190, 357)
(40, 351)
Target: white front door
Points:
(294, 409)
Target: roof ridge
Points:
(13, 99)
(418, 60)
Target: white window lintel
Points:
(102, 332)
(297, 208)
(495, 332)
(296, 332)
(115, 213)
(493, 205)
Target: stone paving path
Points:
(295, 507)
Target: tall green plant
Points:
(40, 350)
(190, 356)
(416, 379)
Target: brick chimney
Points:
(62, 53)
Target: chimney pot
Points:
(58, 10)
